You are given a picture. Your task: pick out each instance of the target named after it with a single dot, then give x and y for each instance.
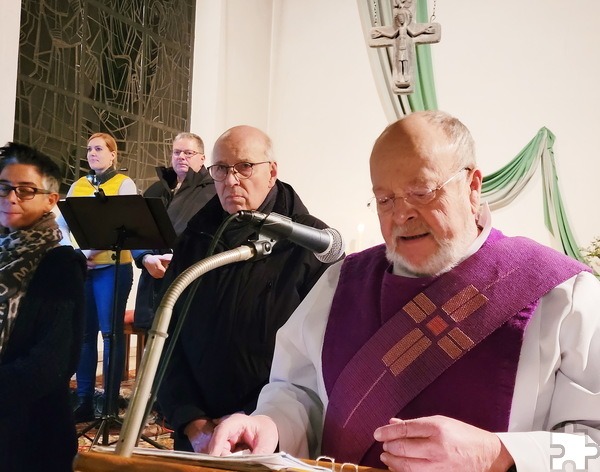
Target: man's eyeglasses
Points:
(186, 152)
(23, 192)
(241, 170)
(417, 197)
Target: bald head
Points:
(245, 140)
(432, 135)
(244, 144)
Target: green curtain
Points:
(501, 187)
(424, 97)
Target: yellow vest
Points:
(83, 188)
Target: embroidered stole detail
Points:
(446, 318)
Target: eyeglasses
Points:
(187, 152)
(241, 170)
(416, 197)
(23, 192)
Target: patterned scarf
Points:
(20, 254)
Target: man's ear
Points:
(475, 189)
(273, 171)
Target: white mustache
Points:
(410, 231)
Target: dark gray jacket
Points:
(197, 189)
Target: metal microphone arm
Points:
(134, 416)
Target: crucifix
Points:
(403, 35)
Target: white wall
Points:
(325, 112)
(9, 53)
(505, 70)
(231, 66)
(510, 71)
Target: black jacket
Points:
(37, 430)
(197, 189)
(223, 355)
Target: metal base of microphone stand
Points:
(104, 425)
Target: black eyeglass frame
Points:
(189, 153)
(30, 192)
(234, 167)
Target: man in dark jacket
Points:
(184, 188)
(223, 355)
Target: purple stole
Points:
(394, 346)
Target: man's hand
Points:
(238, 432)
(156, 265)
(438, 443)
(199, 433)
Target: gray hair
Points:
(195, 137)
(460, 140)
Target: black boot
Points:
(84, 411)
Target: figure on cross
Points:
(403, 36)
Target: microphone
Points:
(93, 179)
(327, 244)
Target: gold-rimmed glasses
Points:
(416, 197)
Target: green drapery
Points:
(424, 97)
(499, 188)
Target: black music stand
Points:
(116, 223)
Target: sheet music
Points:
(238, 461)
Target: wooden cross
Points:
(402, 36)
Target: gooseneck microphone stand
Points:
(142, 394)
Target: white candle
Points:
(359, 240)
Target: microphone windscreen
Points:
(336, 249)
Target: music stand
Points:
(115, 223)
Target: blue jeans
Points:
(99, 292)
